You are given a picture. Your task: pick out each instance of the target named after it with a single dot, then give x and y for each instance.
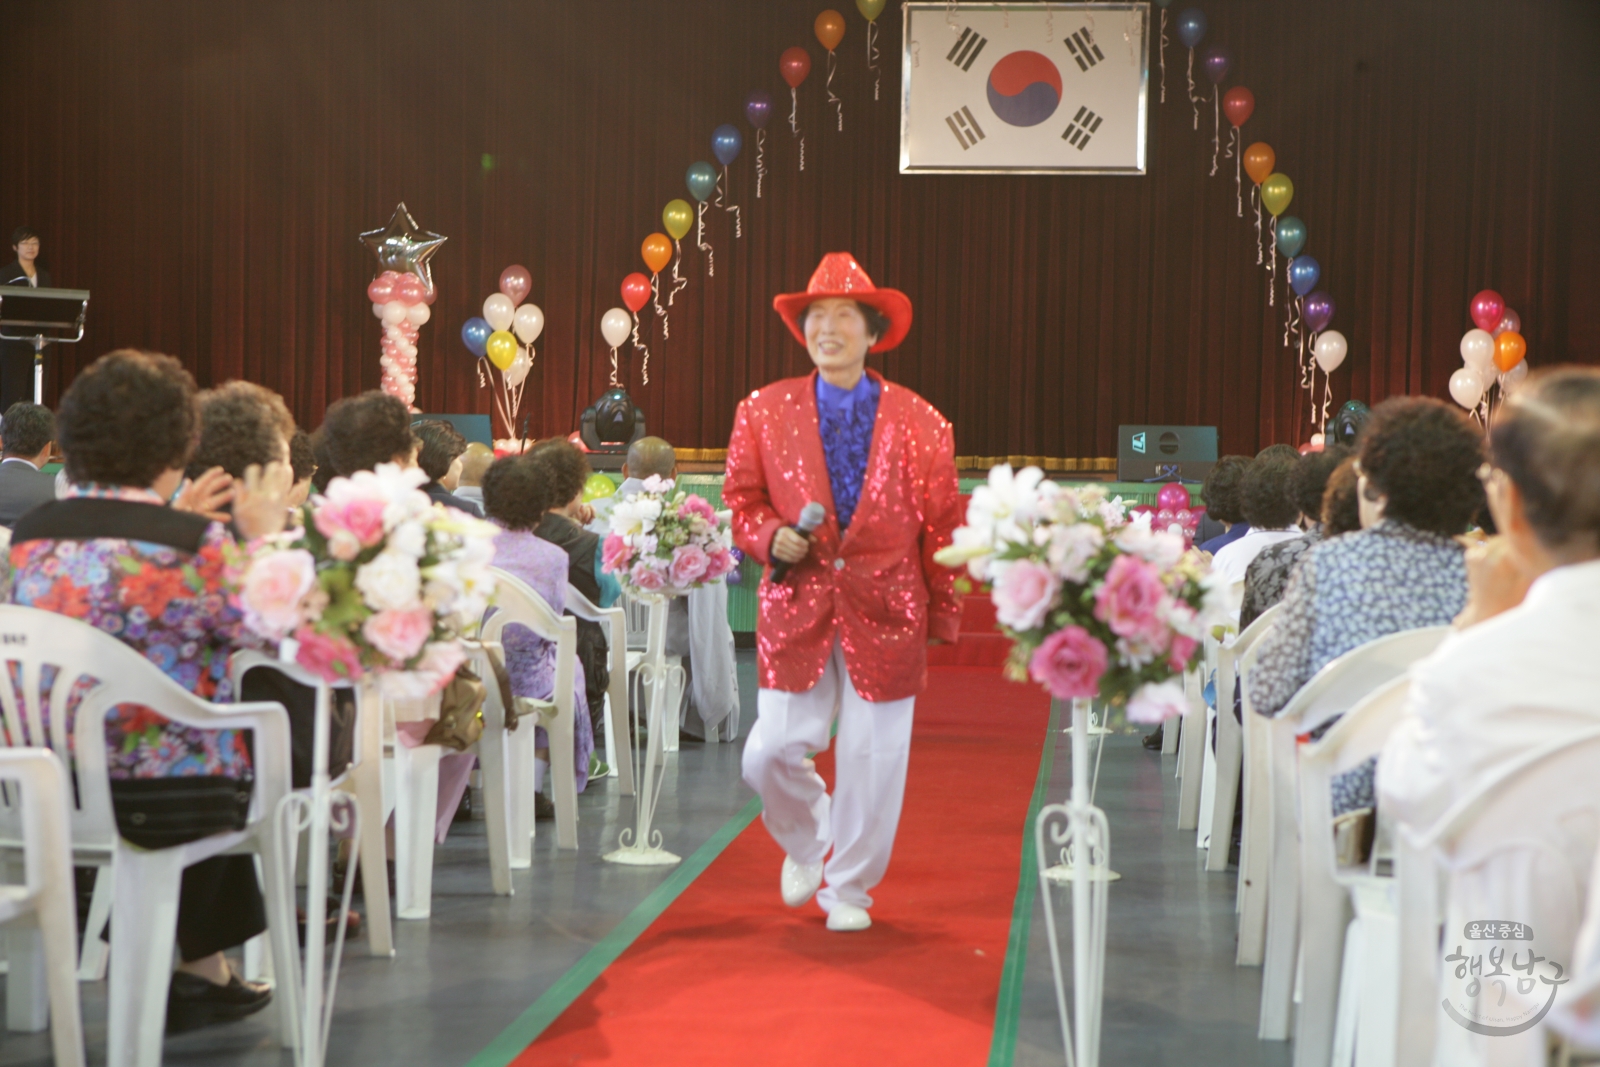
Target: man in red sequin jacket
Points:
(844, 636)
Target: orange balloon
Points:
(657, 252)
(1259, 160)
(830, 29)
(1509, 350)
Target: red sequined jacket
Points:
(879, 588)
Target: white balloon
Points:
(529, 323)
(1512, 379)
(520, 365)
(1318, 439)
(1330, 349)
(409, 349)
(377, 311)
(394, 313)
(1477, 351)
(1466, 387)
(615, 326)
(418, 314)
(499, 310)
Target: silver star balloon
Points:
(404, 246)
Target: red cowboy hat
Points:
(839, 275)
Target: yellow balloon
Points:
(502, 348)
(677, 217)
(1276, 192)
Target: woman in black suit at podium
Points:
(16, 357)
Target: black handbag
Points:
(163, 812)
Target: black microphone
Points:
(811, 517)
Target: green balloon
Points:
(871, 9)
(597, 486)
(1291, 235)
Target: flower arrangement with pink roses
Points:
(377, 579)
(1095, 601)
(664, 543)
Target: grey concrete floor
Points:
(462, 976)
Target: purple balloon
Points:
(1318, 311)
(1216, 62)
(758, 108)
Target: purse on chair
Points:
(461, 708)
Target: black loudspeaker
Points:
(1165, 453)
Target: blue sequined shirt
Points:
(845, 418)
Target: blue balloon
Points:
(702, 179)
(726, 141)
(1303, 274)
(475, 335)
(1191, 27)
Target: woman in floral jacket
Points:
(113, 554)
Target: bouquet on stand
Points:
(1098, 605)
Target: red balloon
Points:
(1487, 309)
(635, 291)
(1238, 104)
(795, 63)
(380, 290)
(515, 282)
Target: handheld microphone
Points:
(811, 517)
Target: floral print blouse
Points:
(158, 580)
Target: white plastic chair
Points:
(144, 907)
(1255, 845)
(1334, 690)
(364, 778)
(1341, 988)
(1191, 752)
(515, 602)
(615, 621)
(1208, 758)
(1230, 742)
(42, 931)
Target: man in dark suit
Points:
(16, 357)
(440, 459)
(26, 434)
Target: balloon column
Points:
(1494, 353)
(794, 65)
(829, 29)
(401, 295)
(502, 340)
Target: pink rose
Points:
(1130, 601)
(1181, 652)
(358, 515)
(1152, 703)
(398, 634)
(273, 591)
(343, 545)
(647, 577)
(1069, 663)
(688, 565)
(696, 505)
(719, 561)
(615, 554)
(328, 656)
(1024, 594)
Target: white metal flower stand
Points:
(640, 844)
(1079, 830)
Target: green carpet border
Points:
(1008, 1005)
(522, 1032)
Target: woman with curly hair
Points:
(1418, 489)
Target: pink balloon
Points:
(1172, 496)
(408, 290)
(515, 282)
(1510, 322)
(1488, 307)
(380, 290)
(1185, 517)
(1164, 518)
(390, 276)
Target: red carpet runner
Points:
(728, 975)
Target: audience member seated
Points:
(362, 431)
(27, 433)
(474, 465)
(516, 497)
(1418, 489)
(1223, 522)
(303, 461)
(1268, 574)
(440, 459)
(560, 468)
(1270, 512)
(1520, 675)
(1341, 503)
(325, 470)
(115, 555)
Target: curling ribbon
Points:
(833, 61)
(1194, 101)
(1327, 402)
(761, 158)
(738, 226)
(1255, 199)
(872, 56)
(794, 122)
(1216, 127)
(1163, 55)
(678, 281)
(483, 379)
(640, 346)
(702, 243)
(1238, 185)
(1272, 282)
(661, 312)
(614, 382)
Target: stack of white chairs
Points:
(144, 905)
(40, 928)
(1335, 690)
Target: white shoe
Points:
(848, 917)
(799, 881)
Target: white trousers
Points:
(858, 822)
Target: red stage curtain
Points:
(205, 169)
